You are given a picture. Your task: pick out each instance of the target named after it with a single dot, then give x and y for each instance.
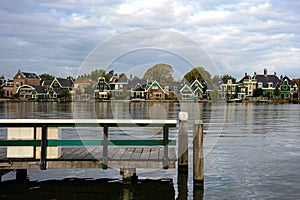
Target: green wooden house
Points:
(198, 89)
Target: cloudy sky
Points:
(63, 37)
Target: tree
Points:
(46, 77)
(89, 90)
(200, 74)
(160, 72)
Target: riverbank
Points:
(277, 101)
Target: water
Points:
(252, 152)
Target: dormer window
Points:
(259, 85)
(270, 85)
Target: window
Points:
(270, 85)
(259, 85)
(175, 88)
(154, 87)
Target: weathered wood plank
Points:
(112, 152)
(154, 155)
(128, 153)
(145, 154)
(119, 154)
(137, 154)
(67, 153)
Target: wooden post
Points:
(183, 157)
(105, 147)
(166, 146)
(21, 175)
(198, 153)
(128, 175)
(44, 144)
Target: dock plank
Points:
(154, 155)
(127, 154)
(119, 154)
(145, 154)
(137, 154)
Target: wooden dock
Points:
(39, 137)
(92, 157)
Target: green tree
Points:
(89, 90)
(46, 77)
(200, 74)
(160, 72)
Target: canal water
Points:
(252, 151)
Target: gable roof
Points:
(186, 90)
(30, 75)
(281, 81)
(39, 89)
(196, 82)
(265, 79)
(64, 83)
(246, 77)
(132, 83)
(155, 83)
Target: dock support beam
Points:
(128, 175)
(183, 142)
(21, 175)
(198, 154)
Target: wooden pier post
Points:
(21, 175)
(183, 157)
(198, 153)
(128, 175)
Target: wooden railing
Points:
(44, 124)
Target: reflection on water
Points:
(87, 189)
(252, 150)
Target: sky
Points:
(65, 38)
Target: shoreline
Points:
(291, 101)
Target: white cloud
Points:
(239, 35)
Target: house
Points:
(8, 87)
(173, 90)
(35, 92)
(102, 89)
(119, 87)
(229, 88)
(186, 93)
(247, 85)
(61, 87)
(81, 84)
(155, 91)
(267, 83)
(287, 88)
(25, 78)
(198, 89)
(138, 92)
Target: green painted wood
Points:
(134, 123)
(85, 142)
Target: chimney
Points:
(254, 73)
(130, 77)
(246, 74)
(275, 73)
(265, 71)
